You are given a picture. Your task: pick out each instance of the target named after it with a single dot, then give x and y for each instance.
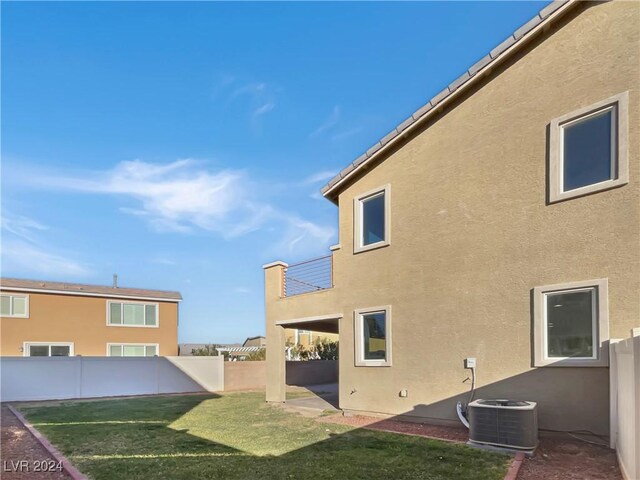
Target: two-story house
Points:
(500, 222)
(40, 318)
(306, 338)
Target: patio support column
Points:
(274, 291)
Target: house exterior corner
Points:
(472, 250)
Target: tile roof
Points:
(91, 290)
(544, 15)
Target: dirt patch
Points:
(21, 454)
(454, 434)
(561, 457)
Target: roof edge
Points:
(90, 294)
(464, 82)
(83, 289)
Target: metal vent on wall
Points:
(504, 423)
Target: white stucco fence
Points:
(625, 403)
(50, 378)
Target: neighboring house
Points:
(234, 351)
(501, 222)
(260, 341)
(299, 337)
(299, 341)
(41, 318)
(186, 349)
(241, 352)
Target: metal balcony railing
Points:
(309, 276)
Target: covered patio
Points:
(276, 347)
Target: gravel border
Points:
(73, 472)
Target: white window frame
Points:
(600, 324)
(358, 219)
(619, 105)
(129, 344)
(123, 302)
(303, 332)
(26, 346)
(359, 337)
(12, 296)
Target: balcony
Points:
(308, 276)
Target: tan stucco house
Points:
(41, 318)
(500, 222)
(259, 341)
(306, 338)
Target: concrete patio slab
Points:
(325, 398)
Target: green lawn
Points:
(239, 436)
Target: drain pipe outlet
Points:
(469, 364)
(461, 416)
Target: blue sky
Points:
(183, 145)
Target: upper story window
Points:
(588, 149)
(14, 306)
(373, 337)
(130, 314)
(371, 216)
(571, 324)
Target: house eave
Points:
(89, 294)
(468, 80)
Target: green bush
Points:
(208, 351)
(326, 349)
(322, 349)
(257, 356)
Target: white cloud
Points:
(221, 83)
(346, 134)
(261, 110)
(318, 177)
(22, 256)
(334, 125)
(184, 197)
(329, 123)
(20, 226)
(23, 251)
(134, 211)
(241, 290)
(315, 179)
(163, 261)
(255, 89)
(176, 196)
(261, 98)
(305, 236)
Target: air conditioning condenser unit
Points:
(504, 423)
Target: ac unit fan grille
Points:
(515, 428)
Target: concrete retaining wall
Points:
(313, 372)
(253, 375)
(245, 375)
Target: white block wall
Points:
(625, 403)
(51, 378)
